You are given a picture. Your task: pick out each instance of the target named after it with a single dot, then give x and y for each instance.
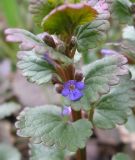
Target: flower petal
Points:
(80, 85)
(66, 111)
(65, 92)
(75, 95)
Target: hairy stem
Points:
(81, 153)
(91, 113)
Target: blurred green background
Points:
(14, 13)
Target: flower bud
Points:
(55, 80)
(59, 88)
(66, 111)
(49, 41)
(78, 76)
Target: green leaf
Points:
(41, 8)
(93, 34)
(8, 152)
(114, 107)
(36, 69)
(122, 12)
(89, 36)
(7, 109)
(129, 33)
(102, 74)
(66, 18)
(45, 124)
(121, 156)
(42, 152)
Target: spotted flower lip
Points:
(73, 90)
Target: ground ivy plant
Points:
(99, 94)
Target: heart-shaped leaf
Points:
(114, 107)
(102, 74)
(65, 18)
(7, 109)
(8, 152)
(45, 124)
(42, 152)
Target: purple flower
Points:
(73, 90)
(66, 111)
(108, 52)
(48, 58)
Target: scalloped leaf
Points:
(7, 109)
(36, 69)
(121, 11)
(114, 107)
(42, 152)
(34, 43)
(27, 40)
(102, 74)
(92, 34)
(65, 18)
(121, 156)
(99, 77)
(8, 152)
(45, 124)
(40, 8)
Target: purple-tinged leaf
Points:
(33, 43)
(65, 18)
(27, 40)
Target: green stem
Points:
(81, 153)
(91, 113)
